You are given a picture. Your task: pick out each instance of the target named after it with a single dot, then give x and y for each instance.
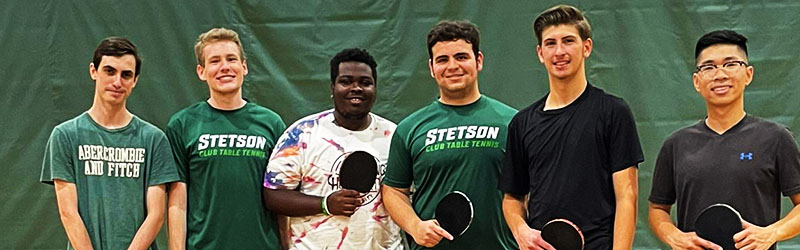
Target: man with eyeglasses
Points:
(729, 157)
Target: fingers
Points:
(706, 244)
(544, 245)
(441, 232)
(428, 234)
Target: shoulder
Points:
(420, 116)
(146, 127)
(383, 122)
(311, 120)
(262, 111)
(499, 106)
(187, 112)
(690, 131)
(767, 128)
(608, 100)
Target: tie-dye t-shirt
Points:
(307, 158)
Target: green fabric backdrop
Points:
(643, 53)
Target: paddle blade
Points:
(358, 172)
(718, 223)
(563, 235)
(454, 213)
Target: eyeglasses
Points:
(729, 67)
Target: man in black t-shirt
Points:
(574, 152)
(730, 157)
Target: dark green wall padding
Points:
(643, 53)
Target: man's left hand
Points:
(754, 237)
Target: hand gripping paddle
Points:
(718, 223)
(454, 213)
(563, 235)
(358, 171)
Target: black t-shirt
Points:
(747, 167)
(564, 159)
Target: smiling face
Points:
(223, 69)
(562, 51)
(353, 90)
(455, 67)
(114, 78)
(721, 87)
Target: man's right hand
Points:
(690, 241)
(428, 233)
(531, 239)
(343, 202)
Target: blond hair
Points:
(216, 35)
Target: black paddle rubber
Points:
(358, 171)
(718, 223)
(563, 235)
(454, 213)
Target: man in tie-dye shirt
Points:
(301, 180)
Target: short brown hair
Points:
(562, 14)
(447, 30)
(215, 35)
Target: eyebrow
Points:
(726, 59)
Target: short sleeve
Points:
(284, 170)
(179, 151)
(58, 161)
(624, 149)
(662, 190)
(514, 179)
(399, 168)
(162, 168)
(788, 163)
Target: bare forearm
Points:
(661, 223)
(514, 213)
(399, 208)
(626, 191)
(789, 226)
(176, 218)
(148, 231)
(292, 203)
(284, 230)
(67, 199)
(155, 203)
(76, 231)
(625, 224)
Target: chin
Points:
(354, 115)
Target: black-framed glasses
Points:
(729, 66)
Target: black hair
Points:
(116, 46)
(720, 37)
(353, 55)
(453, 30)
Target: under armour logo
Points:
(748, 156)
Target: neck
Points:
(722, 118)
(231, 101)
(110, 116)
(460, 98)
(352, 123)
(565, 91)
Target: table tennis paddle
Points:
(718, 223)
(358, 172)
(563, 235)
(454, 213)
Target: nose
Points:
(560, 50)
(117, 83)
(719, 75)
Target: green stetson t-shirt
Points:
(111, 169)
(442, 148)
(222, 156)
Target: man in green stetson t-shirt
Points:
(454, 144)
(109, 167)
(221, 147)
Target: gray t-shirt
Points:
(747, 167)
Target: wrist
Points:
(324, 204)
